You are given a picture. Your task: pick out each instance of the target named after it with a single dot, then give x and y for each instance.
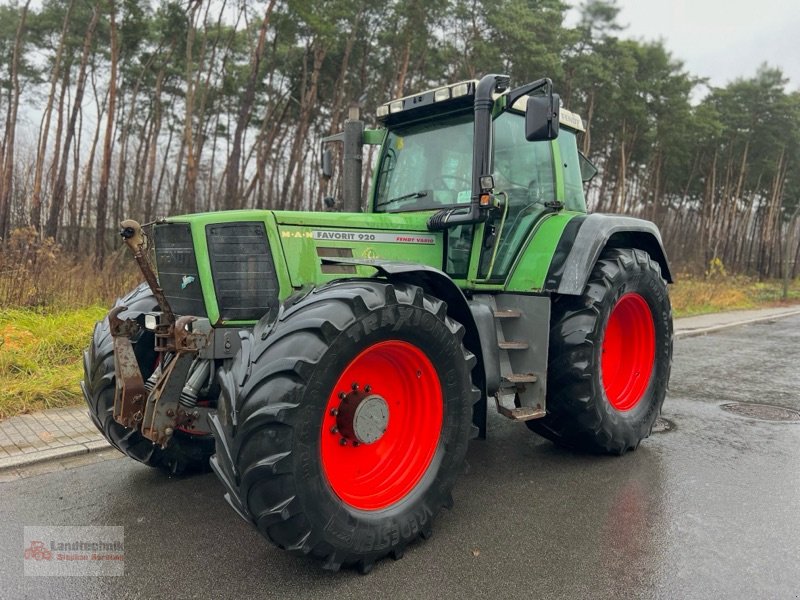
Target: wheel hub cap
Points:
(363, 417)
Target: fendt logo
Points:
(37, 551)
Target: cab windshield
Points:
(426, 166)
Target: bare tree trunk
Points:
(400, 82)
(72, 235)
(163, 167)
(56, 150)
(44, 132)
(785, 271)
(306, 109)
(149, 207)
(105, 169)
(232, 199)
(339, 91)
(188, 135)
(176, 183)
(11, 129)
(89, 169)
(60, 188)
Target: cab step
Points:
(507, 313)
(516, 378)
(512, 345)
(520, 413)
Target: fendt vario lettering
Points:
(332, 367)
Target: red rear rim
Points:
(377, 459)
(629, 349)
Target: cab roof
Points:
(450, 98)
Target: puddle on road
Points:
(763, 412)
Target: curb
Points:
(712, 328)
(52, 454)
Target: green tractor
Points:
(332, 367)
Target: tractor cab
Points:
(491, 168)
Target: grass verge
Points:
(719, 294)
(41, 357)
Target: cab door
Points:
(525, 186)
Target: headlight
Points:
(441, 94)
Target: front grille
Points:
(177, 269)
(243, 271)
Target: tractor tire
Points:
(298, 461)
(610, 357)
(185, 452)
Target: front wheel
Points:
(610, 356)
(185, 452)
(340, 433)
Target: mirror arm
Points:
(527, 90)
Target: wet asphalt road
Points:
(710, 509)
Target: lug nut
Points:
(334, 412)
(343, 442)
(334, 429)
(342, 395)
(367, 389)
(355, 387)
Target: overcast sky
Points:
(721, 39)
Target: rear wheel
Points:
(185, 452)
(340, 433)
(610, 356)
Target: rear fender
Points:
(585, 238)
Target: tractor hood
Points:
(234, 266)
(308, 239)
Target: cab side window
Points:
(573, 182)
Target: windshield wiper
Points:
(420, 194)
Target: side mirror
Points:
(327, 164)
(541, 118)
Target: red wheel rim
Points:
(372, 476)
(629, 349)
